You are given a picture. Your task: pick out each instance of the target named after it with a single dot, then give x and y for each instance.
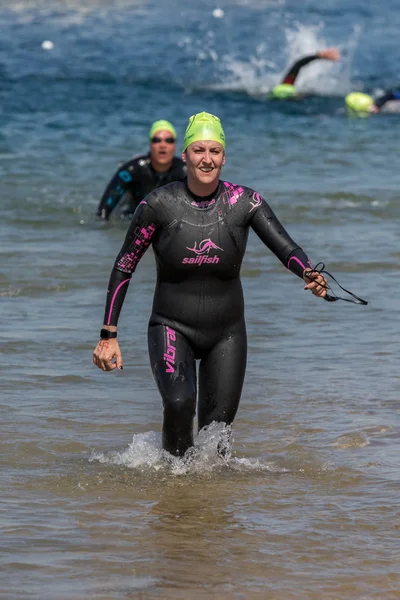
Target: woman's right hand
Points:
(107, 355)
(315, 282)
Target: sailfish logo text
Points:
(202, 251)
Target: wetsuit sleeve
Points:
(294, 70)
(389, 95)
(138, 238)
(275, 237)
(119, 184)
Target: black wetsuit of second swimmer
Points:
(392, 95)
(198, 309)
(134, 180)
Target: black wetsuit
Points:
(294, 70)
(388, 96)
(134, 180)
(198, 309)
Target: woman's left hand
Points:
(315, 282)
(330, 54)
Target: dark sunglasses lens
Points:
(157, 140)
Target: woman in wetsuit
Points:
(144, 173)
(198, 229)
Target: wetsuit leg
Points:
(174, 368)
(221, 376)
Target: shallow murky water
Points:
(305, 507)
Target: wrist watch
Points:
(107, 335)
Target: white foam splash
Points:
(322, 76)
(145, 453)
(259, 74)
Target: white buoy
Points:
(47, 45)
(218, 13)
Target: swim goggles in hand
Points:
(332, 297)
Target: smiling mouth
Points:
(206, 169)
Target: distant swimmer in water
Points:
(198, 229)
(142, 174)
(286, 89)
(389, 102)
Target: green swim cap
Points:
(284, 90)
(160, 125)
(203, 126)
(359, 102)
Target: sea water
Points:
(304, 506)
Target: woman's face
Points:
(162, 147)
(204, 161)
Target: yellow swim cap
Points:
(283, 91)
(203, 127)
(359, 102)
(161, 125)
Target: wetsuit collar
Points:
(160, 172)
(201, 199)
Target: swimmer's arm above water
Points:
(327, 54)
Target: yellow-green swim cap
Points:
(359, 102)
(284, 90)
(203, 127)
(161, 125)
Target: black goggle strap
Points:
(332, 297)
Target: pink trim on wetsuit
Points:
(138, 244)
(232, 194)
(113, 299)
(297, 260)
